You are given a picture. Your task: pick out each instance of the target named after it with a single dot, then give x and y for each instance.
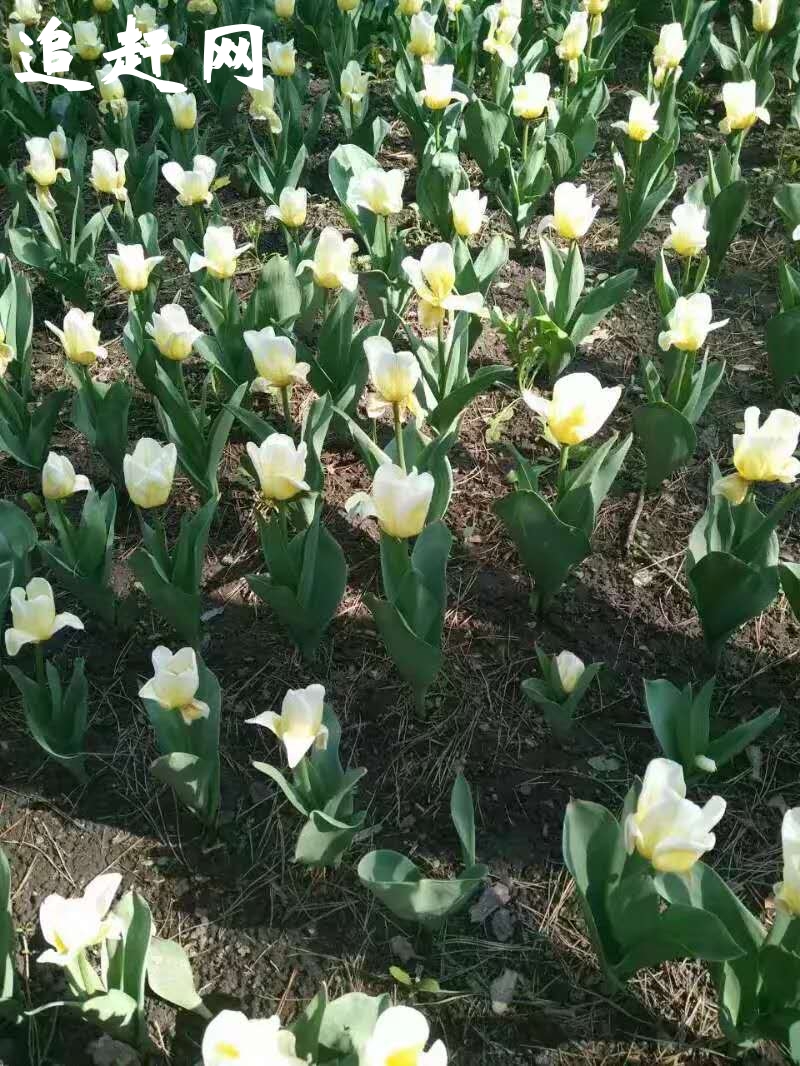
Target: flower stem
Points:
(562, 469)
(687, 273)
(525, 129)
(440, 339)
(41, 675)
(398, 436)
(287, 411)
(283, 519)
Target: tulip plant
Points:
(551, 538)
(321, 790)
(183, 702)
(9, 1001)
(399, 884)
(25, 428)
(56, 715)
(681, 721)
(18, 539)
(563, 684)
(733, 554)
(131, 959)
(563, 313)
(783, 330)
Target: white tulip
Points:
(765, 15)
(174, 684)
(33, 616)
(281, 58)
(193, 186)
(18, 42)
(668, 830)
(354, 83)
(380, 191)
(7, 353)
(58, 142)
(112, 93)
(453, 8)
(146, 17)
(149, 472)
(299, 726)
(579, 408)
(284, 9)
(399, 500)
(688, 235)
(422, 35)
(262, 104)
(88, 44)
(642, 122)
(762, 453)
(202, 7)
(574, 38)
(787, 891)
(530, 99)
(595, 7)
(331, 264)
(409, 7)
(132, 268)
(438, 92)
(796, 234)
(184, 110)
(499, 40)
(172, 332)
(434, 278)
(570, 670)
(291, 209)
(394, 377)
(28, 12)
(102, 7)
(468, 208)
(280, 466)
(233, 1039)
(671, 47)
(399, 1039)
(59, 479)
(43, 168)
(79, 338)
(741, 112)
(689, 324)
(71, 926)
(275, 359)
(108, 172)
(574, 211)
(219, 253)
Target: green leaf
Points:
(485, 125)
(595, 305)
(463, 814)
(548, 547)
(732, 743)
(114, 1012)
(399, 885)
(307, 1026)
(291, 794)
(276, 300)
(783, 346)
(725, 220)
(323, 840)
(347, 1024)
(667, 439)
(727, 592)
(169, 975)
(681, 932)
(417, 661)
(8, 943)
(789, 574)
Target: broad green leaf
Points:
(727, 592)
(667, 439)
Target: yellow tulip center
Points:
(407, 1057)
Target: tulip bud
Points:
(7, 354)
(174, 684)
(87, 41)
(765, 15)
(193, 186)
(131, 268)
(16, 45)
(399, 1037)
(671, 47)
(762, 453)
(184, 110)
(275, 358)
(689, 324)
(146, 17)
(33, 616)
(280, 466)
(281, 58)
(299, 726)
(574, 211)
(149, 472)
(79, 338)
(112, 93)
(787, 891)
(468, 208)
(41, 162)
(380, 191)
(401, 501)
(71, 926)
(172, 332)
(579, 408)
(409, 7)
(688, 234)
(595, 7)
(569, 669)
(668, 830)
(108, 172)
(530, 100)
(262, 104)
(422, 34)
(202, 7)
(291, 209)
(58, 142)
(575, 38)
(219, 253)
(502, 31)
(284, 9)
(331, 264)
(346, 6)
(59, 479)
(102, 7)
(741, 112)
